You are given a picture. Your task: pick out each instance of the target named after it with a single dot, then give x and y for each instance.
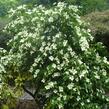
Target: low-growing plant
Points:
(54, 52)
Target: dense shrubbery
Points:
(54, 51)
(92, 5)
(87, 6)
(99, 25)
(5, 5)
(4, 37)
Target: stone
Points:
(26, 104)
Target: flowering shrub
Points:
(53, 49)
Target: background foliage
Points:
(87, 6)
(99, 25)
(5, 5)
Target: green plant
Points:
(93, 5)
(5, 5)
(99, 23)
(86, 6)
(54, 52)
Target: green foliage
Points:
(3, 22)
(5, 107)
(99, 25)
(5, 5)
(4, 37)
(87, 6)
(93, 5)
(53, 49)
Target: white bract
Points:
(84, 44)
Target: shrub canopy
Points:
(54, 51)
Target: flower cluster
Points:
(53, 47)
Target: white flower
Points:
(43, 80)
(41, 49)
(45, 54)
(84, 44)
(66, 15)
(42, 18)
(82, 103)
(43, 43)
(54, 46)
(61, 52)
(71, 78)
(97, 76)
(105, 60)
(67, 72)
(57, 35)
(87, 80)
(74, 89)
(70, 86)
(60, 4)
(50, 19)
(72, 53)
(78, 98)
(60, 106)
(69, 49)
(88, 100)
(47, 48)
(62, 64)
(60, 89)
(48, 43)
(47, 12)
(56, 74)
(55, 91)
(34, 64)
(57, 60)
(80, 62)
(54, 65)
(79, 21)
(36, 73)
(65, 43)
(82, 74)
(64, 97)
(78, 31)
(28, 44)
(19, 7)
(59, 98)
(66, 55)
(50, 85)
(51, 58)
(74, 8)
(47, 87)
(73, 71)
(104, 72)
(59, 67)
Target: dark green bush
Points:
(4, 37)
(92, 5)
